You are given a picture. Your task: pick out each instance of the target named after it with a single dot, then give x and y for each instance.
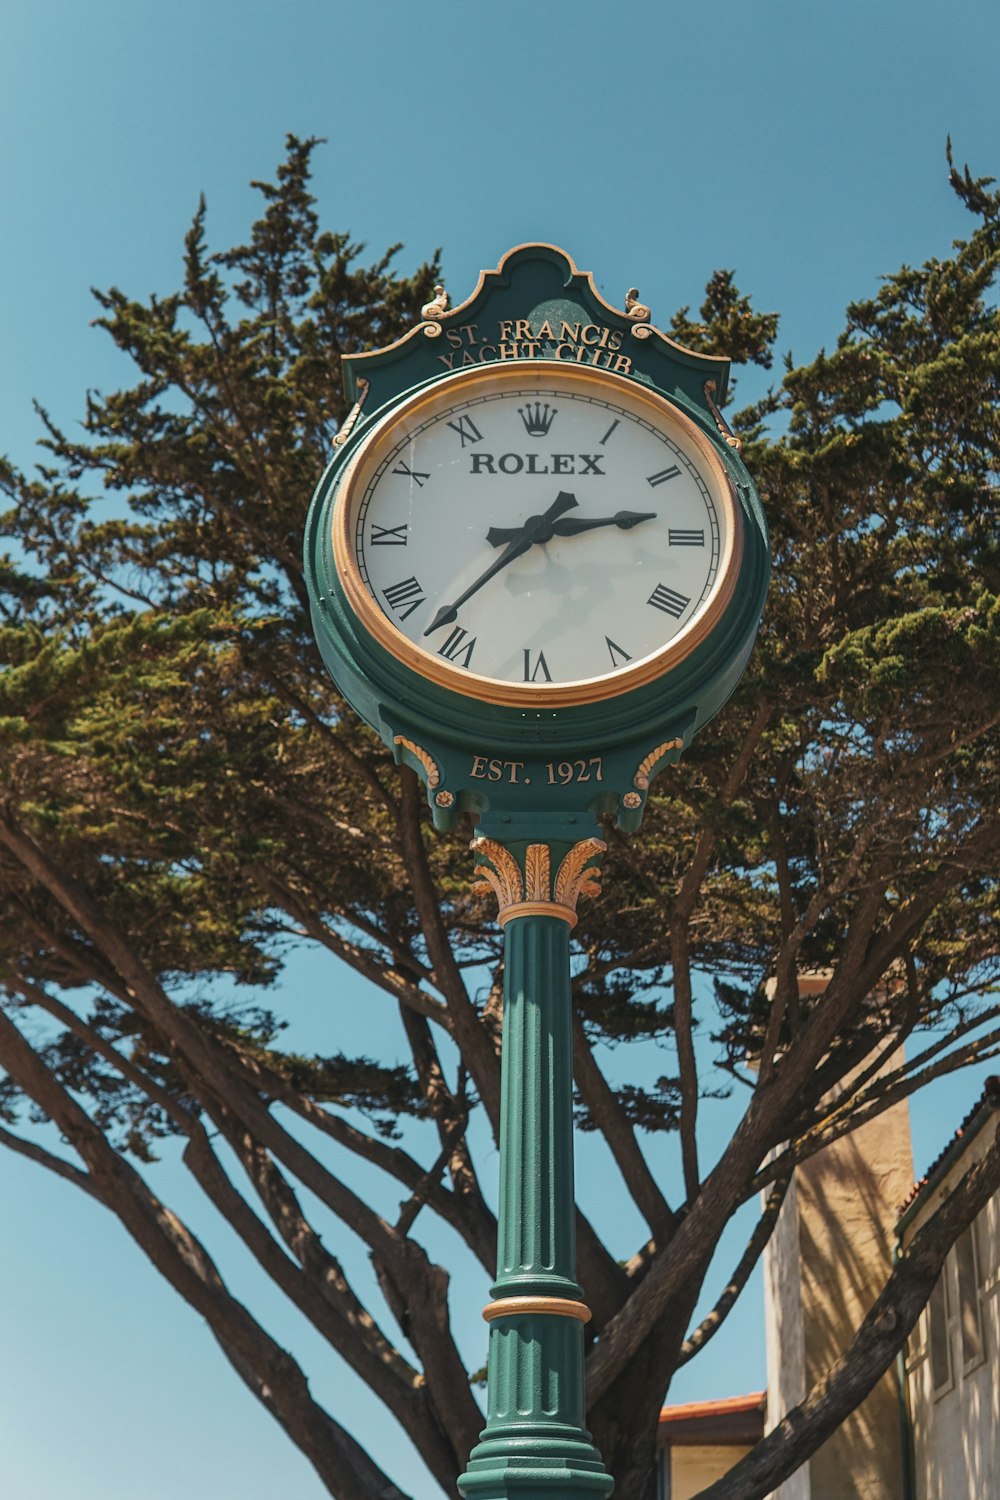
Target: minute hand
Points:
(520, 540)
(573, 525)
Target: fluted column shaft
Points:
(535, 1445)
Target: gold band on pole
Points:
(507, 1307)
(538, 909)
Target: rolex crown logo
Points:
(537, 418)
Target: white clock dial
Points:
(541, 534)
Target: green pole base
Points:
(521, 1464)
(534, 1445)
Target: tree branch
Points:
(710, 1326)
(683, 908)
(52, 1163)
(316, 1284)
(393, 981)
(610, 1118)
(475, 1045)
(451, 1115)
(183, 1261)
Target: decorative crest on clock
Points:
(536, 305)
(537, 418)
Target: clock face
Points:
(534, 533)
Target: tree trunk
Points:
(624, 1422)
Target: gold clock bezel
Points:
(543, 378)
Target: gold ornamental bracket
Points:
(432, 312)
(531, 891)
(732, 441)
(651, 763)
(353, 416)
(426, 762)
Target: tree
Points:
(183, 796)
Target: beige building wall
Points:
(693, 1468)
(827, 1262)
(849, 1197)
(954, 1396)
(783, 1320)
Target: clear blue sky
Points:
(801, 144)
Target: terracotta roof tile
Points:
(988, 1101)
(729, 1406)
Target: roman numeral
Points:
(388, 536)
(686, 538)
(672, 473)
(403, 468)
(541, 665)
(456, 648)
(616, 652)
(610, 430)
(467, 430)
(669, 600)
(404, 597)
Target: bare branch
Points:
(180, 1257)
(475, 1045)
(610, 1118)
(36, 996)
(373, 1482)
(42, 1158)
(392, 980)
(763, 1229)
(786, 979)
(451, 1113)
(316, 1284)
(683, 907)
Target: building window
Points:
(969, 1312)
(939, 1340)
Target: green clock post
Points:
(536, 568)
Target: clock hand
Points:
(573, 525)
(521, 540)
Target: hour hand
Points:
(520, 539)
(498, 536)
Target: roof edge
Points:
(974, 1122)
(729, 1405)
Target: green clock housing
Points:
(537, 574)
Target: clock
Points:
(537, 533)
